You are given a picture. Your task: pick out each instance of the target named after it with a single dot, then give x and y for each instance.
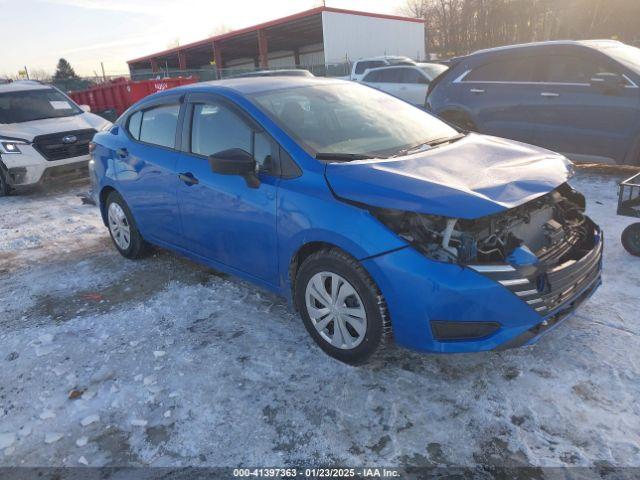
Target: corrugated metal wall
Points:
(353, 37)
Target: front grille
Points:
(559, 286)
(52, 147)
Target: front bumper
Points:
(30, 167)
(421, 293)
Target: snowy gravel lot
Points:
(162, 362)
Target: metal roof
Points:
(297, 22)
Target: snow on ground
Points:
(164, 362)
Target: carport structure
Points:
(299, 40)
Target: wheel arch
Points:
(307, 249)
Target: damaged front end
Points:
(546, 251)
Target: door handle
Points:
(188, 178)
(549, 94)
(476, 90)
(122, 153)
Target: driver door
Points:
(224, 219)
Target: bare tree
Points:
(459, 26)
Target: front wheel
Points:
(122, 228)
(341, 306)
(4, 185)
(631, 239)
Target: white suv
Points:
(408, 82)
(43, 133)
(359, 67)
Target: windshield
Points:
(627, 55)
(350, 120)
(28, 105)
(433, 70)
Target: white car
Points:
(408, 82)
(43, 133)
(359, 67)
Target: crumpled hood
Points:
(29, 130)
(476, 176)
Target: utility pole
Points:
(104, 77)
(26, 72)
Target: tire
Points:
(352, 338)
(631, 239)
(4, 185)
(122, 228)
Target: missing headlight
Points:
(541, 225)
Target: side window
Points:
(372, 77)
(390, 75)
(411, 75)
(514, 70)
(262, 151)
(133, 125)
(215, 127)
(362, 66)
(159, 125)
(572, 69)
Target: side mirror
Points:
(608, 82)
(85, 108)
(235, 161)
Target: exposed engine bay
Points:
(551, 229)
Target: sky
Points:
(36, 33)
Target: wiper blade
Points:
(341, 157)
(440, 141)
(431, 143)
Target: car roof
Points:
(251, 85)
(575, 43)
(23, 85)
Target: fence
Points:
(206, 74)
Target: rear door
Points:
(388, 80)
(145, 169)
(575, 116)
(224, 219)
(500, 95)
(413, 85)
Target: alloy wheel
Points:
(336, 310)
(119, 226)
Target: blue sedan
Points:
(373, 218)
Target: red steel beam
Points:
(263, 49)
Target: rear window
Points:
(29, 105)
(512, 70)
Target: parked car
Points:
(408, 82)
(43, 134)
(359, 67)
(578, 98)
(373, 217)
(291, 72)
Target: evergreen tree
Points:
(64, 71)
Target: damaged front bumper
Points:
(449, 308)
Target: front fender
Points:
(308, 213)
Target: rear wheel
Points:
(341, 306)
(631, 239)
(122, 228)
